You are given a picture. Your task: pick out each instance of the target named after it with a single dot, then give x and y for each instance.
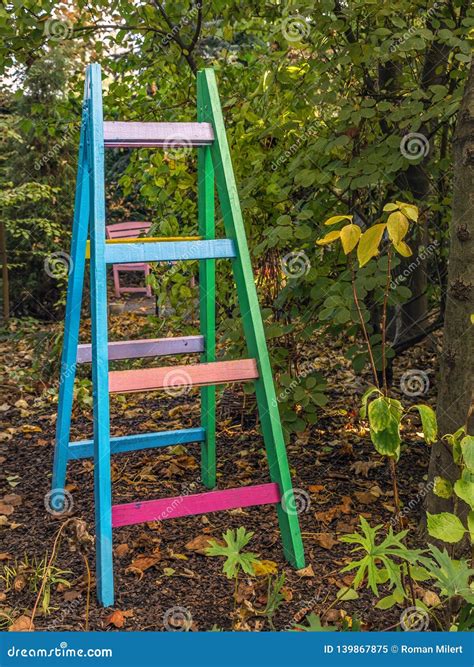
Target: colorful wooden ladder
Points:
(214, 167)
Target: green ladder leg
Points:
(252, 322)
(207, 309)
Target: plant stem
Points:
(396, 500)
(364, 331)
(384, 321)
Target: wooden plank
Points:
(190, 375)
(80, 228)
(252, 320)
(145, 239)
(100, 376)
(207, 305)
(132, 443)
(127, 228)
(200, 503)
(169, 251)
(146, 347)
(132, 134)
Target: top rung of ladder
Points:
(131, 134)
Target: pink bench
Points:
(126, 230)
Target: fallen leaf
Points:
(19, 583)
(316, 488)
(22, 404)
(326, 540)
(363, 467)
(6, 509)
(122, 550)
(365, 497)
(3, 520)
(3, 597)
(5, 556)
(31, 428)
(22, 624)
(116, 618)
(200, 543)
(264, 567)
(306, 571)
(169, 571)
(12, 499)
(141, 564)
(431, 599)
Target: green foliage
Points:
(452, 577)
(381, 563)
(235, 559)
(314, 625)
(446, 526)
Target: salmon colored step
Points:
(190, 375)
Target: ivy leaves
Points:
(368, 243)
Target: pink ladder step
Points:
(190, 375)
(146, 347)
(200, 503)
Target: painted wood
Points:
(207, 303)
(120, 231)
(252, 320)
(132, 134)
(146, 347)
(128, 228)
(100, 375)
(80, 230)
(201, 503)
(132, 443)
(145, 239)
(190, 375)
(169, 251)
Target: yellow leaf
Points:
(397, 226)
(350, 234)
(403, 249)
(369, 243)
(329, 238)
(264, 567)
(337, 218)
(390, 207)
(410, 210)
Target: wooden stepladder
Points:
(214, 168)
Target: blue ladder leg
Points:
(100, 363)
(56, 499)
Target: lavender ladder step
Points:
(201, 503)
(150, 347)
(190, 375)
(131, 134)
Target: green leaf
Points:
(386, 602)
(397, 227)
(446, 527)
(314, 625)
(235, 560)
(390, 207)
(464, 489)
(470, 525)
(379, 414)
(369, 243)
(367, 394)
(442, 487)
(337, 218)
(467, 449)
(350, 235)
(346, 593)
(428, 422)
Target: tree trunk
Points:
(456, 382)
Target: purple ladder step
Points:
(118, 134)
(148, 347)
(200, 503)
